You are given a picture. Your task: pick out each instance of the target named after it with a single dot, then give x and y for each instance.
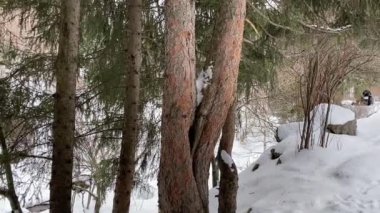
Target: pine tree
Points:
(127, 161)
(64, 108)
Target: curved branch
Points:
(326, 29)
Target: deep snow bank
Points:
(345, 177)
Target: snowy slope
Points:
(345, 177)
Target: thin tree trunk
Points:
(228, 176)
(176, 184)
(220, 95)
(125, 182)
(64, 108)
(92, 186)
(10, 192)
(73, 195)
(323, 140)
(98, 203)
(215, 172)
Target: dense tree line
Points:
(83, 85)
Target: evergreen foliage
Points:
(26, 97)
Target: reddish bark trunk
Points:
(220, 95)
(184, 158)
(64, 108)
(125, 178)
(177, 187)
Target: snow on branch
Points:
(227, 159)
(326, 29)
(203, 80)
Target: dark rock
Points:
(348, 128)
(279, 161)
(274, 154)
(255, 167)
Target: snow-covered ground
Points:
(345, 177)
(244, 154)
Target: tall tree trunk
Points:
(185, 154)
(125, 182)
(220, 95)
(10, 192)
(64, 108)
(228, 175)
(176, 184)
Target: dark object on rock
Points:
(367, 98)
(255, 167)
(276, 136)
(348, 128)
(274, 154)
(279, 161)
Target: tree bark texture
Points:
(125, 177)
(177, 187)
(220, 95)
(64, 108)
(228, 186)
(10, 192)
(186, 155)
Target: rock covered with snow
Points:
(338, 116)
(362, 111)
(288, 129)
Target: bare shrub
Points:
(325, 69)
